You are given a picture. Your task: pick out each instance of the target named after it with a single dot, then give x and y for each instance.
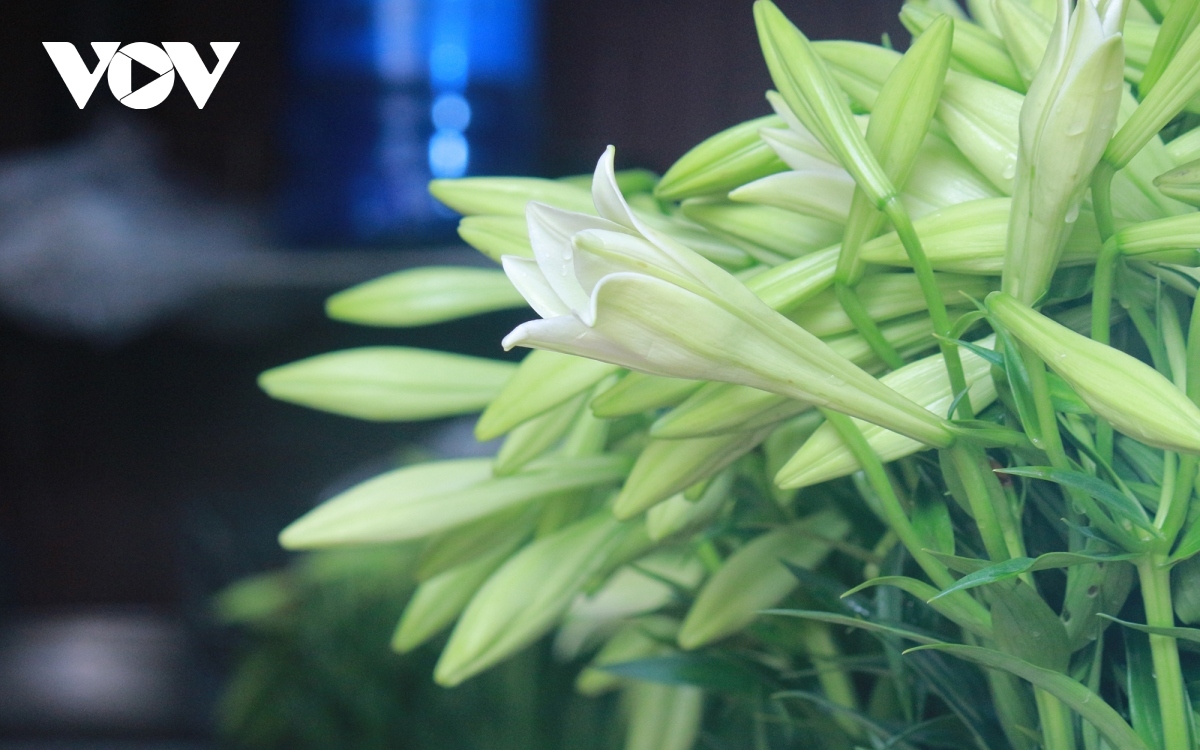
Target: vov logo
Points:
(118, 61)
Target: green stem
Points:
(1058, 732)
(1102, 288)
(988, 504)
(1050, 440)
(866, 326)
(1102, 179)
(893, 511)
(1155, 578)
(933, 300)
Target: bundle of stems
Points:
(871, 423)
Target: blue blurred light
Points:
(451, 112)
(448, 64)
(448, 154)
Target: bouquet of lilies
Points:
(835, 427)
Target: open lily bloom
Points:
(611, 288)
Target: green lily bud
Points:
(785, 233)
(531, 439)
(695, 237)
(507, 196)
(438, 601)
(754, 578)
(1066, 121)
(822, 193)
(971, 238)
(1171, 240)
(859, 68)
(496, 236)
(635, 298)
(642, 638)
(1179, 22)
(417, 501)
(941, 176)
(805, 84)
(1130, 394)
(730, 158)
(886, 296)
(637, 392)
(983, 13)
(528, 594)
(824, 456)
(1185, 148)
(795, 145)
(421, 296)
(719, 408)
(1025, 33)
(790, 284)
(665, 467)
(632, 183)
(1182, 183)
(541, 382)
(981, 118)
(462, 544)
(389, 383)
(677, 512)
(663, 717)
(647, 585)
(1173, 90)
(976, 50)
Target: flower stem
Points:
(857, 312)
(933, 300)
(1058, 732)
(1155, 578)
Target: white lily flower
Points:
(612, 289)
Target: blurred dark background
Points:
(140, 468)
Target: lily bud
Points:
(787, 234)
(982, 119)
(634, 297)
(426, 295)
(886, 296)
(1066, 122)
(637, 392)
(976, 49)
(1025, 33)
(1134, 397)
(1172, 240)
(1182, 183)
(971, 238)
(541, 382)
(439, 600)
(420, 500)
(723, 407)
(649, 584)
(665, 467)
(677, 512)
(531, 439)
(389, 383)
(805, 84)
(822, 192)
(722, 162)
(663, 717)
(1173, 90)
(824, 456)
(754, 578)
(528, 594)
(496, 236)
(507, 196)
(639, 639)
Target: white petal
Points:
(527, 277)
(550, 231)
(568, 335)
(607, 196)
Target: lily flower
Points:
(611, 288)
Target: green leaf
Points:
(421, 296)
(880, 628)
(1120, 505)
(1141, 688)
(717, 673)
(389, 383)
(1191, 635)
(1189, 545)
(1009, 569)
(1026, 627)
(949, 608)
(1083, 701)
(1185, 590)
